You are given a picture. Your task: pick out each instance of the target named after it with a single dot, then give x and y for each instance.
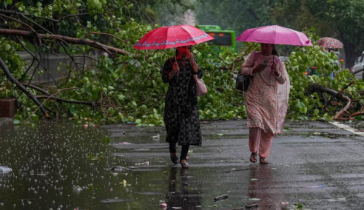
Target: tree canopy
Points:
(124, 85)
(332, 18)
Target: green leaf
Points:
(298, 205)
(7, 47)
(35, 117)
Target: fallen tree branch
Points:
(226, 65)
(340, 92)
(48, 97)
(4, 11)
(39, 62)
(28, 26)
(357, 114)
(21, 87)
(35, 88)
(100, 33)
(67, 39)
(336, 94)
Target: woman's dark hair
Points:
(274, 51)
(189, 49)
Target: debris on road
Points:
(252, 206)
(156, 137)
(5, 170)
(317, 186)
(221, 197)
(119, 169)
(163, 205)
(144, 163)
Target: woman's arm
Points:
(280, 71)
(196, 69)
(168, 71)
(248, 67)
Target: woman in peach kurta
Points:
(266, 99)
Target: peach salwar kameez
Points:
(266, 101)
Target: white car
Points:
(359, 63)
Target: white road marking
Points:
(348, 128)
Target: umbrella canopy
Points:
(329, 42)
(275, 34)
(172, 36)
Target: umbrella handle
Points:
(271, 68)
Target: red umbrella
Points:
(172, 36)
(328, 42)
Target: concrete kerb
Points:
(5, 122)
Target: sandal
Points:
(253, 157)
(174, 158)
(184, 164)
(263, 160)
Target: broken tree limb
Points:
(48, 97)
(316, 87)
(39, 62)
(35, 88)
(12, 12)
(115, 37)
(67, 39)
(28, 26)
(21, 87)
(340, 92)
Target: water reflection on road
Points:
(180, 193)
(60, 165)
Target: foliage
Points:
(129, 87)
(332, 18)
(305, 103)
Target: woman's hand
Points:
(275, 70)
(258, 68)
(190, 57)
(175, 70)
(175, 66)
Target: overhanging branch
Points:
(21, 87)
(66, 39)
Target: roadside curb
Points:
(5, 122)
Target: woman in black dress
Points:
(181, 113)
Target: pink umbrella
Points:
(328, 42)
(275, 35)
(172, 36)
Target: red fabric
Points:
(172, 36)
(260, 140)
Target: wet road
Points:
(66, 166)
(314, 164)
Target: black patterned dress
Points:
(181, 113)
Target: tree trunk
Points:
(350, 55)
